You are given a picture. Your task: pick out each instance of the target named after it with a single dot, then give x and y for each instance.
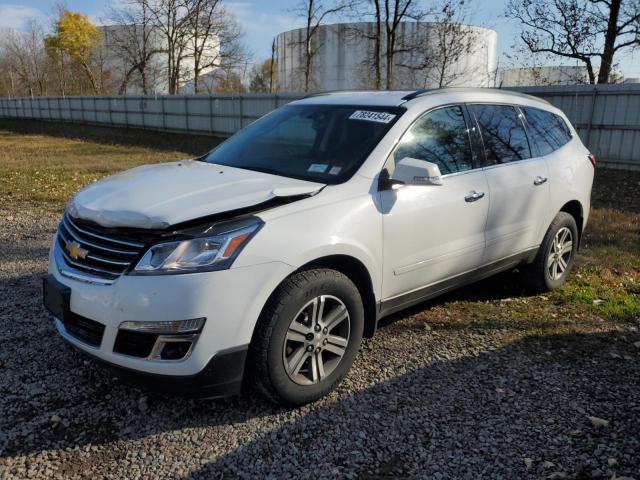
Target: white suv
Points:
(267, 260)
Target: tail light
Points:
(592, 159)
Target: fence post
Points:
(164, 120)
(142, 109)
(126, 112)
(241, 110)
(186, 113)
(594, 95)
(210, 113)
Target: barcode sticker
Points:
(368, 116)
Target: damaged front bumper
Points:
(230, 301)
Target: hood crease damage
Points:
(156, 197)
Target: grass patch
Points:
(47, 171)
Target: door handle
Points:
(539, 180)
(473, 196)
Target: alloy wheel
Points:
(316, 340)
(560, 253)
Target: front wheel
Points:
(307, 337)
(556, 255)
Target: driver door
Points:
(434, 232)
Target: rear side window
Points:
(441, 137)
(548, 131)
(503, 134)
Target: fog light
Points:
(175, 350)
(193, 325)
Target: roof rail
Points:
(331, 92)
(416, 93)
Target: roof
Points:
(381, 98)
(394, 98)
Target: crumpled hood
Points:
(160, 195)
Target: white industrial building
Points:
(547, 75)
(344, 52)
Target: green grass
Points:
(42, 171)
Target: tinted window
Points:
(440, 137)
(503, 134)
(547, 130)
(320, 143)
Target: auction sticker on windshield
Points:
(379, 117)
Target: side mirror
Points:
(412, 171)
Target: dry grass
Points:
(42, 172)
(47, 171)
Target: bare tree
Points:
(26, 60)
(261, 77)
(135, 43)
(215, 39)
(586, 30)
(442, 47)
(172, 19)
(388, 42)
(315, 13)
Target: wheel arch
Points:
(357, 272)
(574, 208)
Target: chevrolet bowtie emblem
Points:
(75, 250)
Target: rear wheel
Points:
(307, 337)
(556, 255)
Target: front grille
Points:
(85, 330)
(136, 344)
(109, 256)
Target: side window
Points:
(441, 137)
(503, 134)
(548, 131)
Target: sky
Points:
(263, 19)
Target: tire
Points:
(286, 325)
(541, 274)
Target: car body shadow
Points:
(456, 418)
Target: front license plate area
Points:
(56, 297)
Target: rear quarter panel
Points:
(570, 177)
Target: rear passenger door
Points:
(518, 182)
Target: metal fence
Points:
(607, 117)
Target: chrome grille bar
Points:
(105, 257)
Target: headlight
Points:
(216, 249)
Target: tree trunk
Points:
(590, 72)
(307, 59)
(377, 47)
(91, 77)
(272, 65)
(609, 42)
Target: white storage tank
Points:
(344, 56)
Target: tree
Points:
(314, 12)
(25, 60)
(135, 43)
(262, 77)
(77, 37)
(387, 17)
(585, 30)
(441, 47)
(228, 81)
(215, 39)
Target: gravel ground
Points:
(421, 401)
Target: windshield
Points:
(318, 143)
